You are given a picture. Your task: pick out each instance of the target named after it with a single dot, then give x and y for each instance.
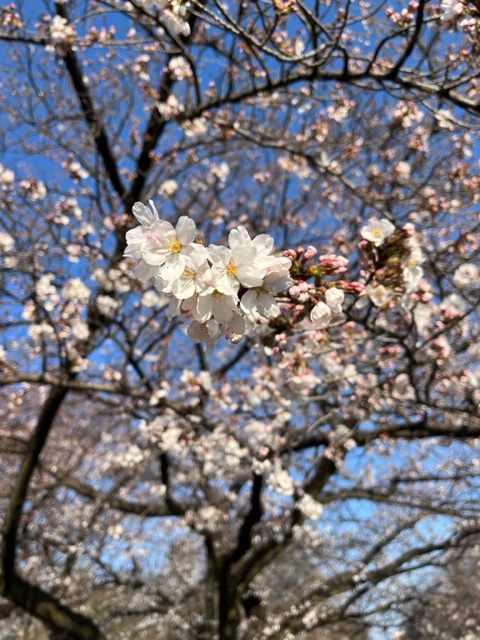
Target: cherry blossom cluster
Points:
(322, 299)
(462, 13)
(393, 258)
(173, 13)
(218, 289)
(391, 275)
(214, 287)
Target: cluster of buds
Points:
(393, 258)
(321, 298)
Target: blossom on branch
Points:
(451, 9)
(218, 288)
(377, 231)
(204, 284)
(173, 13)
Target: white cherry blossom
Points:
(379, 295)
(321, 314)
(168, 248)
(193, 279)
(451, 9)
(7, 176)
(216, 304)
(137, 237)
(377, 231)
(262, 299)
(202, 284)
(173, 13)
(235, 267)
(334, 297)
(6, 241)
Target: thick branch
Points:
(253, 516)
(50, 611)
(154, 130)
(19, 492)
(325, 470)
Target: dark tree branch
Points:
(20, 489)
(50, 611)
(31, 598)
(91, 115)
(252, 518)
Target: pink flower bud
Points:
(357, 288)
(294, 291)
(310, 253)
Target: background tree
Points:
(449, 609)
(291, 483)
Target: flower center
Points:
(174, 246)
(232, 270)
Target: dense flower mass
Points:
(219, 288)
(173, 13)
(213, 287)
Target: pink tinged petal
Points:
(206, 281)
(161, 235)
(156, 257)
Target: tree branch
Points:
(91, 115)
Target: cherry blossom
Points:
(321, 314)
(377, 231)
(201, 399)
(451, 9)
(173, 13)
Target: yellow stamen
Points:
(232, 270)
(175, 246)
